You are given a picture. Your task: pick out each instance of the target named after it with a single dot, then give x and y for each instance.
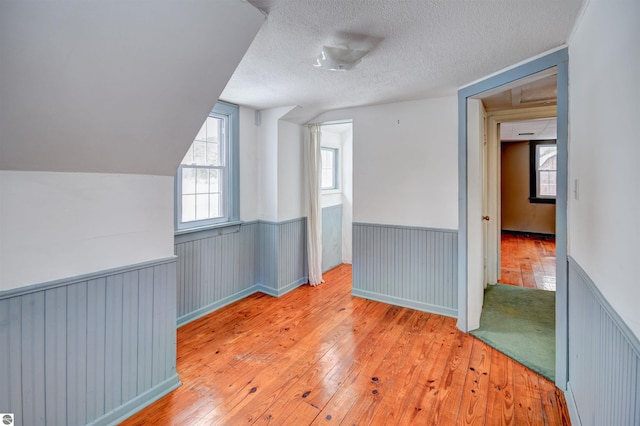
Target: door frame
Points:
(560, 60)
(494, 165)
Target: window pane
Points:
(213, 125)
(203, 174)
(547, 183)
(215, 209)
(544, 154)
(214, 181)
(546, 163)
(328, 168)
(202, 206)
(188, 208)
(213, 153)
(202, 181)
(188, 181)
(199, 153)
(327, 179)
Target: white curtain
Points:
(314, 218)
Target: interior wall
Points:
(347, 196)
(291, 171)
(603, 155)
(517, 213)
(249, 165)
(268, 163)
(404, 162)
(58, 225)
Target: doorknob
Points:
(485, 218)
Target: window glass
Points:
(329, 168)
(546, 159)
(544, 171)
(206, 190)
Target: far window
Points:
(543, 171)
(329, 168)
(206, 182)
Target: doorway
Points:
(518, 313)
(336, 193)
(528, 161)
(470, 206)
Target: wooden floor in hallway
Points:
(318, 355)
(528, 260)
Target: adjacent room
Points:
(300, 212)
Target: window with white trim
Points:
(207, 178)
(543, 171)
(329, 177)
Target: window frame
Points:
(336, 171)
(231, 179)
(533, 172)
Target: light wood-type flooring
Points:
(528, 261)
(318, 355)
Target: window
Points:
(207, 178)
(329, 168)
(543, 171)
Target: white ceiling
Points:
(532, 129)
(419, 48)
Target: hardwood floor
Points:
(317, 355)
(528, 261)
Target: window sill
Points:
(331, 191)
(201, 232)
(536, 200)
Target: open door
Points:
(470, 254)
(476, 222)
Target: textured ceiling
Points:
(419, 48)
(533, 130)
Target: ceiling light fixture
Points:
(339, 58)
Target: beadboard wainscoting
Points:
(215, 268)
(406, 266)
(89, 350)
(604, 358)
(283, 256)
(331, 237)
(292, 255)
(219, 267)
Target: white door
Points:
(475, 221)
(486, 216)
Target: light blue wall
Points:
(292, 255)
(331, 237)
(215, 268)
(405, 266)
(91, 349)
(604, 358)
(218, 267)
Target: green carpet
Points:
(520, 322)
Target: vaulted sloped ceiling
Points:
(113, 86)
